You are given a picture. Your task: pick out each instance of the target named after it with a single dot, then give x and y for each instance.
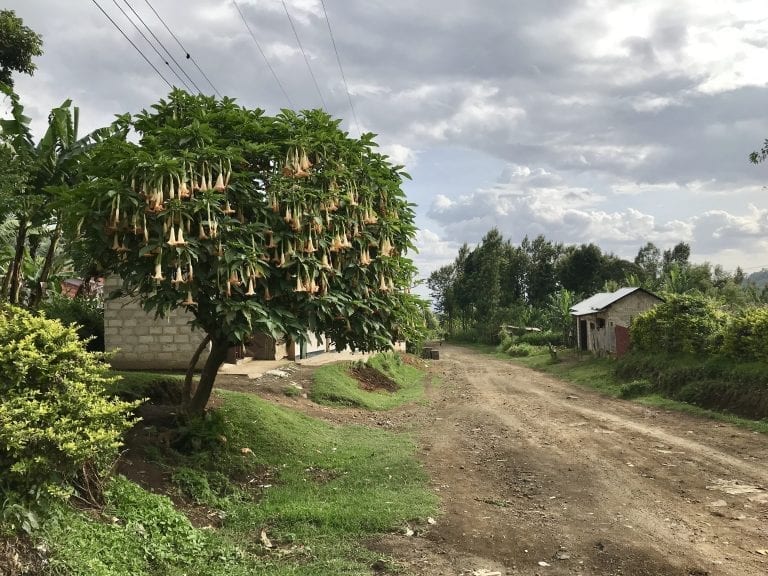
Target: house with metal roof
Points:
(603, 320)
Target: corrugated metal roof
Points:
(601, 301)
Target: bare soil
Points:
(372, 380)
(540, 477)
(537, 477)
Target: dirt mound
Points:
(371, 379)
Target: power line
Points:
(179, 78)
(253, 36)
(116, 25)
(163, 47)
(341, 69)
(303, 53)
(186, 52)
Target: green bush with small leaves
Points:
(684, 324)
(541, 338)
(56, 419)
(86, 313)
(521, 350)
(746, 335)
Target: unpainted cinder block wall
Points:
(145, 343)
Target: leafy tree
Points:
(649, 260)
(488, 285)
(559, 309)
(253, 224)
(678, 255)
(44, 171)
(542, 272)
(440, 284)
(581, 269)
(18, 45)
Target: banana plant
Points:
(50, 167)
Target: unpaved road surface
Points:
(541, 477)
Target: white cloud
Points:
(399, 154)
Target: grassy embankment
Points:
(714, 388)
(318, 492)
(334, 385)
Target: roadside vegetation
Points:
(705, 347)
(387, 381)
(250, 488)
(688, 354)
(271, 491)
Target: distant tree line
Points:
(536, 282)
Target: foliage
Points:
(520, 350)
(39, 198)
(87, 314)
(320, 491)
(18, 45)
(543, 338)
(505, 341)
(158, 388)
(55, 418)
(146, 535)
(333, 384)
(254, 224)
(687, 324)
(560, 320)
(746, 335)
(737, 388)
(715, 383)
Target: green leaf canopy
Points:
(254, 223)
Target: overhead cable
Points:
(180, 79)
(341, 68)
(186, 52)
(163, 47)
(303, 53)
(272, 70)
(116, 25)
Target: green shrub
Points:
(55, 417)
(714, 383)
(746, 335)
(506, 342)
(155, 387)
(86, 313)
(684, 324)
(635, 388)
(541, 338)
(520, 350)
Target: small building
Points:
(139, 341)
(603, 320)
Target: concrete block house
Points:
(603, 320)
(139, 341)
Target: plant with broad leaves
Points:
(279, 225)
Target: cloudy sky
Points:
(607, 121)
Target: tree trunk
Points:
(14, 274)
(216, 357)
(186, 396)
(37, 296)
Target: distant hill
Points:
(759, 279)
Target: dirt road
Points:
(541, 477)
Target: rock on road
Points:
(538, 476)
